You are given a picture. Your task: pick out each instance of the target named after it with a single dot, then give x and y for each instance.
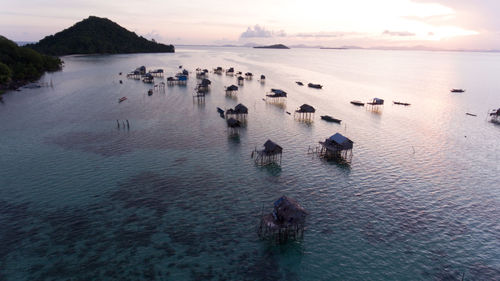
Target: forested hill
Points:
(96, 35)
(21, 65)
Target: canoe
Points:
(122, 99)
(457, 90)
(401, 103)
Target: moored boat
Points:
(329, 118)
(457, 90)
(122, 99)
(401, 103)
(358, 103)
(315, 86)
(299, 83)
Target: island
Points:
(20, 65)
(96, 35)
(276, 46)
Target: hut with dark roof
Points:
(249, 75)
(375, 104)
(495, 116)
(136, 74)
(230, 90)
(240, 80)
(204, 85)
(141, 69)
(286, 221)
(239, 112)
(148, 78)
(230, 71)
(305, 112)
(156, 72)
(218, 70)
(270, 154)
(276, 96)
(337, 147)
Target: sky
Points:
(439, 24)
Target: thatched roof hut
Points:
(271, 147)
(287, 220)
(240, 109)
(288, 211)
(232, 88)
(277, 93)
(339, 141)
(240, 78)
(205, 82)
(262, 77)
(305, 108)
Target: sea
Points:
(176, 196)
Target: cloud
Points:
(398, 33)
(318, 35)
(261, 32)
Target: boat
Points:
(299, 83)
(470, 114)
(457, 90)
(329, 118)
(316, 86)
(150, 92)
(220, 110)
(401, 103)
(122, 99)
(358, 103)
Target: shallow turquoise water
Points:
(175, 198)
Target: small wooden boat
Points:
(288, 113)
(150, 92)
(299, 83)
(122, 99)
(470, 114)
(329, 118)
(220, 110)
(358, 103)
(457, 90)
(315, 86)
(401, 103)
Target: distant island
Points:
(96, 35)
(276, 46)
(21, 65)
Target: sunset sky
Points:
(446, 24)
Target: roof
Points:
(378, 101)
(306, 108)
(278, 92)
(232, 88)
(339, 140)
(240, 108)
(288, 211)
(205, 82)
(240, 78)
(262, 76)
(272, 148)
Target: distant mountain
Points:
(96, 35)
(276, 46)
(21, 65)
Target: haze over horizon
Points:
(439, 24)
